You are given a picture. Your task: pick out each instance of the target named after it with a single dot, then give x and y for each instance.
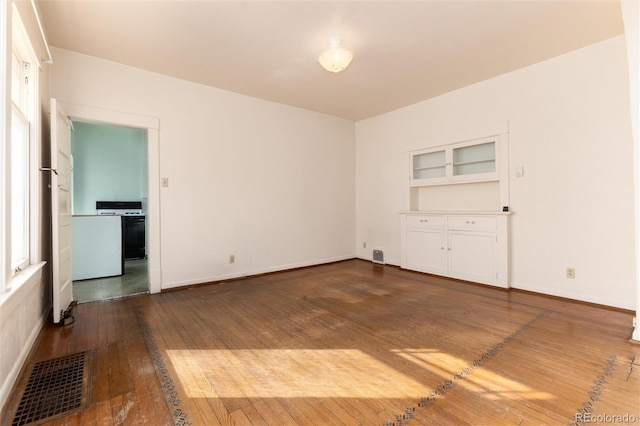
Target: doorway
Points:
(134, 280)
(149, 126)
(109, 164)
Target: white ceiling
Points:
(404, 51)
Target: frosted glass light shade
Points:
(336, 58)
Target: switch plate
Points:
(165, 182)
(519, 171)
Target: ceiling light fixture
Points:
(336, 58)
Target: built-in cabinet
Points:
(464, 245)
(425, 242)
(472, 161)
(457, 224)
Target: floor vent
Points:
(54, 388)
(378, 257)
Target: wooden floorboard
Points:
(349, 343)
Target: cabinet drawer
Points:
(472, 222)
(425, 221)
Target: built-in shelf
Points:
(471, 161)
(458, 223)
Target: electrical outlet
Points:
(364, 245)
(232, 258)
(571, 272)
(165, 182)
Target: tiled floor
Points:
(135, 280)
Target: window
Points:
(20, 149)
(19, 191)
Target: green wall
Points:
(109, 164)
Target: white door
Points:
(60, 211)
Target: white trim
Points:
(285, 267)
(5, 108)
(49, 59)
(10, 300)
(18, 42)
(36, 203)
(153, 207)
(589, 297)
(106, 116)
(631, 19)
(151, 124)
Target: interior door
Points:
(61, 212)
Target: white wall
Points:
(22, 316)
(271, 184)
(27, 305)
(570, 129)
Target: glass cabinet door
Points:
(474, 159)
(429, 165)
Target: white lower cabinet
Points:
(426, 250)
(472, 255)
(458, 245)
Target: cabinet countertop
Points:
(452, 213)
(108, 215)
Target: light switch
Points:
(519, 171)
(165, 182)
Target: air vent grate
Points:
(55, 388)
(378, 257)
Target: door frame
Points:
(151, 125)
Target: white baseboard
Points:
(583, 297)
(258, 271)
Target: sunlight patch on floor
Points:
(289, 373)
(481, 381)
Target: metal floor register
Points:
(55, 388)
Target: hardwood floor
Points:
(351, 343)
